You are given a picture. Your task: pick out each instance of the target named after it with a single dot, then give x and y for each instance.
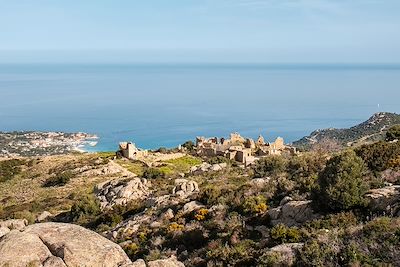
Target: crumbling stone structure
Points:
(130, 151)
(243, 150)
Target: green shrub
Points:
(339, 220)
(85, 209)
(218, 160)
(189, 145)
(341, 183)
(380, 155)
(280, 233)
(270, 165)
(255, 205)
(393, 133)
(153, 173)
(316, 253)
(59, 180)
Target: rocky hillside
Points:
(371, 130)
(313, 209)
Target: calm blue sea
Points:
(164, 105)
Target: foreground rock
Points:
(385, 199)
(59, 244)
(65, 245)
(121, 191)
(292, 213)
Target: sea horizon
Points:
(166, 104)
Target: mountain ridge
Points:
(372, 129)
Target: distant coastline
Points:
(36, 143)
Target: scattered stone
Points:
(292, 213)
(121, 191)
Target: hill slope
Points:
(371, 130)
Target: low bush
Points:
(59, 180)
(85, 210)
(283, 234)
(341, 184)
(153, 173)
(270, 165)
(255, 205)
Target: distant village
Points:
(242, 150)
(14, 144)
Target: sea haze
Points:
(164, 105)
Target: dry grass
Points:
(25, 191)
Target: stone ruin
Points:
(130, 151)
(240, 149)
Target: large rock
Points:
(45, 215)
(121, 191)
(55, 244)
(110, 169)
(384, 199)
(171, 262)
(292, 213)
(191, 206)
(184, 188)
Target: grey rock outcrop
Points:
(184, 188)
(111, 168)
(292, 213)
(59, 244)
(121, 191)
(385, 199)
(206, 167)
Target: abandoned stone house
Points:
(130, 151)
(243, 150)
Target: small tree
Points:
(270, 165)
(341, 183)
(189, 145)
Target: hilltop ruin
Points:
(240, 149)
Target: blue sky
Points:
(261, 31)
